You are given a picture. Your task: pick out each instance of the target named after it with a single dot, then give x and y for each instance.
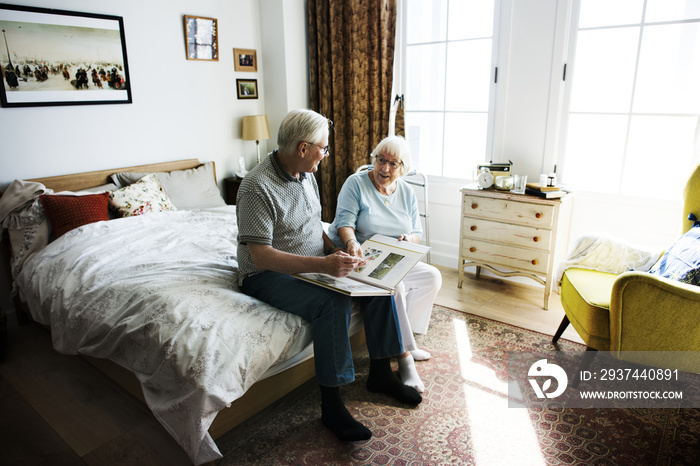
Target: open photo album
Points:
(388, 260)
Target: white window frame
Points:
(496, 104)
(559, 141)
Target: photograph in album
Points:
(388, 260)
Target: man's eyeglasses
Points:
(324, 150)
(393, 165)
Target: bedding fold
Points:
(158, 295)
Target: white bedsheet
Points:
(157, 294)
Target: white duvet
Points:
(158, 295)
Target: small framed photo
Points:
(247, 88)
(57, 57)
(202, 38)
(245, 60)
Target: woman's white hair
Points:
(301, 125)
(395, 146)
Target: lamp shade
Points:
(255, 128)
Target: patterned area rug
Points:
(464, 417)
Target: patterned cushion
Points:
(682, 260)
(143, 197)
(194, 188)
(68, 212)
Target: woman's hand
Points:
(410, 237)
(354, 248)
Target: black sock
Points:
(383, 380)
(336, 417)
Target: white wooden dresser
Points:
(513, 234)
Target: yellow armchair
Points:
(637, 311)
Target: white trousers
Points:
(415, 295)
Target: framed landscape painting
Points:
(247, 88)
(56, 57)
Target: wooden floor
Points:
(59, 410)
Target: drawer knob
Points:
(534, 261)
(536, 239)
(474, 206)
(473, 228)
(538, 215)
(472, 249)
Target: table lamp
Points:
(255, 128)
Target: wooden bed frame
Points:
(258, 397)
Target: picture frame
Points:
(201, 38)
(247, 88)
(43, 60)
(245, 60)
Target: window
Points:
(449, 49)
(634, 96)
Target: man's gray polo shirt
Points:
(275, 208)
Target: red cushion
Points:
(68, 212)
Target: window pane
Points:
(468, 75)
(659, 147)
(469, 19)
(425, 77)
(668, 80)
(604, 73)
(669, 10)
(427, 20)
(594, 152)
(596, 13)
(424, 135)
(465, 143)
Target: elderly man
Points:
(280, 233)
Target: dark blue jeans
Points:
(329, 312)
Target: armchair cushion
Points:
(585, 296)
(682, 260)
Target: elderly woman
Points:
(279, 234)
(379, 201)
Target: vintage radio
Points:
(497, 169)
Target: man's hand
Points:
(340, 264)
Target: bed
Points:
(151, 298)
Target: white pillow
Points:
(194, 188)
(143, 197)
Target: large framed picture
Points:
(247, 88)
(57, 57)
(245, 60)
(202, 37)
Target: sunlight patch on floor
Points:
(499, 435)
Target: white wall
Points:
(181, 108)
(284, 39)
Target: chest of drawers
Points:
(513, 234)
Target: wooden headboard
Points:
(78, 181)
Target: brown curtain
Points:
(351, 61)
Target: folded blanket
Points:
(606, 254)
(22, 214)
(18, 197)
